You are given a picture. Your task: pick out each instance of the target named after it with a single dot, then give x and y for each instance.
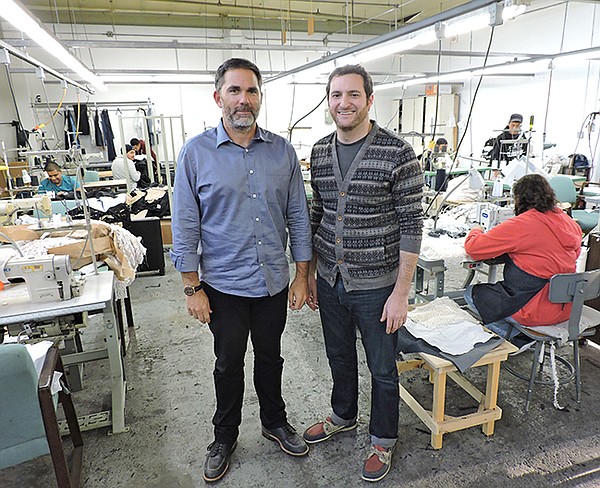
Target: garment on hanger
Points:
(138, 122)
(108, 135)
(150, 122)
(70, 129)
(84, 123)
(98, 130)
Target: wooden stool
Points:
(435, 420)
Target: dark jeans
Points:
(499, 327)
(341, 313)
(233, 318)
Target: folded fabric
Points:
(443, 324)
(456, 338)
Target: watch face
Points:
(189, 290)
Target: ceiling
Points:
(366, 17)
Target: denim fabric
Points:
(342, 312)
(500, 327)
(232, 320)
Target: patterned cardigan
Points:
(362, 222)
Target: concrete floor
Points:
(170, 403)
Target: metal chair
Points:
(28, 420)
(566, 192)
(573, 288)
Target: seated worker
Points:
(123, 165)
(140, 150)
(539, 242)
(56, 181)
(437, 157)
(509, 151)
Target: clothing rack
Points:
(91, 104)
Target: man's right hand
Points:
(198, 306)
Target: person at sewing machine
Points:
(539, 242)
(125, 164)
(438, 156)
(57, 182)
(507, 151)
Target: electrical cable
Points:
(454, 157)
(44, 124)
(437, 92)
(290, 130)
(14, 98)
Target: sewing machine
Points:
(489, 215)
(48, 278)
(9, 208)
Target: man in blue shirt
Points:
(238, 193)
(56, 181)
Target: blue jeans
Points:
(500, 327)
(341, 313)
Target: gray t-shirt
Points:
(346, 154)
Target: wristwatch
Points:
(189, 290)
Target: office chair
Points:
(565, 191)
(573, 288)
(28, 423)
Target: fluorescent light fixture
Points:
(397, 46)
(173, 78)
(513, 8)
(20, 19)
(466, 25)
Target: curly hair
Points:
(533, 191)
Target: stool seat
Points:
(439, 369)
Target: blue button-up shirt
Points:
(231, 208)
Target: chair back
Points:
(564, 188)
(91, 176)
(574, 288)
(22, 434)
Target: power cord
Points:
(487, 53)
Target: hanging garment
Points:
(84, 123)
(108, 135)
(70, 129)
(139, 121)
(98, 130)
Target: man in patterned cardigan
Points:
(366, 221)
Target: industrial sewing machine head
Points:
(10, 208)
(48, 278)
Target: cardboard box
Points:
(165, 230)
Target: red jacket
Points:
(541, 244)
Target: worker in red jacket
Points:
(539, 242)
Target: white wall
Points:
(575, 86)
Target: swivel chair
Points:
(573, 288)
(28, 423)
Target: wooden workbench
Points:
(439, 369)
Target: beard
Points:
(359, 118)
(241, 122)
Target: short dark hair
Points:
(533, 191)
(235, 63)
(352, 69)
(134, 142)
(128, 148)
(441, 140)
(51, 166)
